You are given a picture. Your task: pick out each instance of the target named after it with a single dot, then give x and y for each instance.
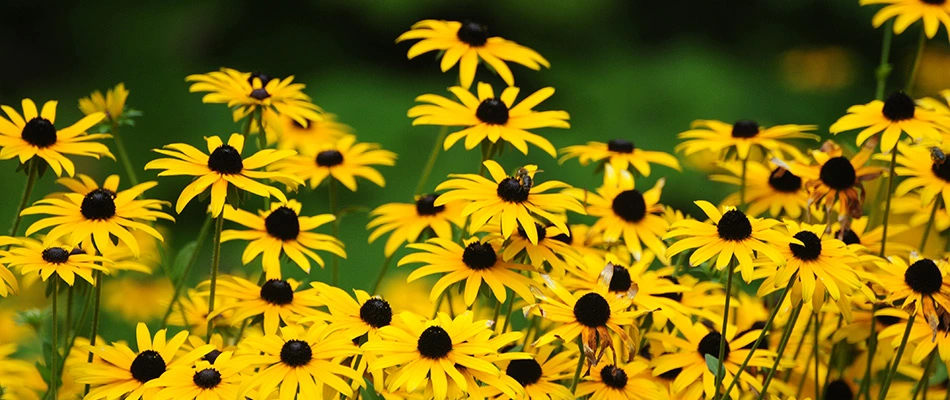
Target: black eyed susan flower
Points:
(430, 353)
(918, 286)
(191, 312)
(927, 169)
(305, 361)
(538, 376)
(626, 213)
(933, 13)
(508, 200)
(618, 381)
(276, 300)
(94, 215)
(8, 283)
(899, 113)
(247, 92)
(742, 137)
(698, 341)
(465, 43)
(621, 154)
(289, 134)
(593, 315)
(549, 254)
(478, 261)
(837, 178)
(123, 373)
(344, 160)
(490, 117)
(32, 256)
(217, 380)
(823, 267)
(769, 187)
(33, 134)
(727, 234)
(282, 231)
(223, 167)
(926, 339)
(355, 317)
(111, 104)
(408, 221)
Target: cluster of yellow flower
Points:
(640, 303)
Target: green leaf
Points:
(712, 363)
(369, 392)
(182, 259)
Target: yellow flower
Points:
(282, 231)
(223, 167)
(355, 317)
(920, 286)
(97, 214)
(490, 117)
(836, 178)
(465, 43)
(305, 138)
(769, 187)
(549, 251)
(344, 160)
(33, 134)
(276, 300)
(899, 113)
(931, 12)
(31, 256)
(408, 221)
(626, 380)
(621, 154)
(247, 92)
(124, 373)
(111, 104)
(742, 137)
(116, 299)
(301, 360)
(205, 380)
(508, 200)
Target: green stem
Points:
(925, 379)
(180, 285)
(438, 303)
(215, 261)
(335, 226)
(721, 371)
(123, 155)
(95, 318)
(496, 311)
(448, 298)
(884, 68)
(887, 204)
(430, 162)
(33, 171)
(786, 334)
(921, 43)
(580, 365)
(831, 357)
(882, 394)
(930, 223)
(261, 135)
(764, 332)
(817, 358)
(382, 273)
(742, 185)
(511, 303)
(872, 349)
(54, 343)
(69, 316)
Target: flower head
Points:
(407, 222)
(931, 12)
(898, 113)
(248, 92)
(742, 137)
(217, 380)
(465, 43)
(276, 299)
(33, 134)
(621, 154)
(112, 104)
(343, 160)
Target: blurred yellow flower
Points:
(116, 298)
(111, 104)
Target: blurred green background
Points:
(626, 69)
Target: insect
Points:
(937, 155)
(524, 178)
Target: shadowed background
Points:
(623, 69)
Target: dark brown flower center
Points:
(630, 205)
(226, 160)
(887, 320)
(473, 33)
(675, 296)
(941, 170)
(839, 389)
(620, 280)
(537, 228)
(296, 353)
(376, 313)
(147, 365)
(98, 204)
(39, 132)
(849, 237)
(492, 111)
(212, 356)
(207, 378)
(425, 205)
(55, 255)
(329, 158)
(710, 345)
(812, 248)
(745, 129)
(564, 237)
(782, 180)
(259, 75)
(513, 191)
(277, 292)
(526, 372)
(614, 377)
(924, 277)
(899, 106)
(620, 146)
(259, 94)
(282, 223)
(838, 173)
(734, 226)
(479, 256)
(434, 343)
(592, 310)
